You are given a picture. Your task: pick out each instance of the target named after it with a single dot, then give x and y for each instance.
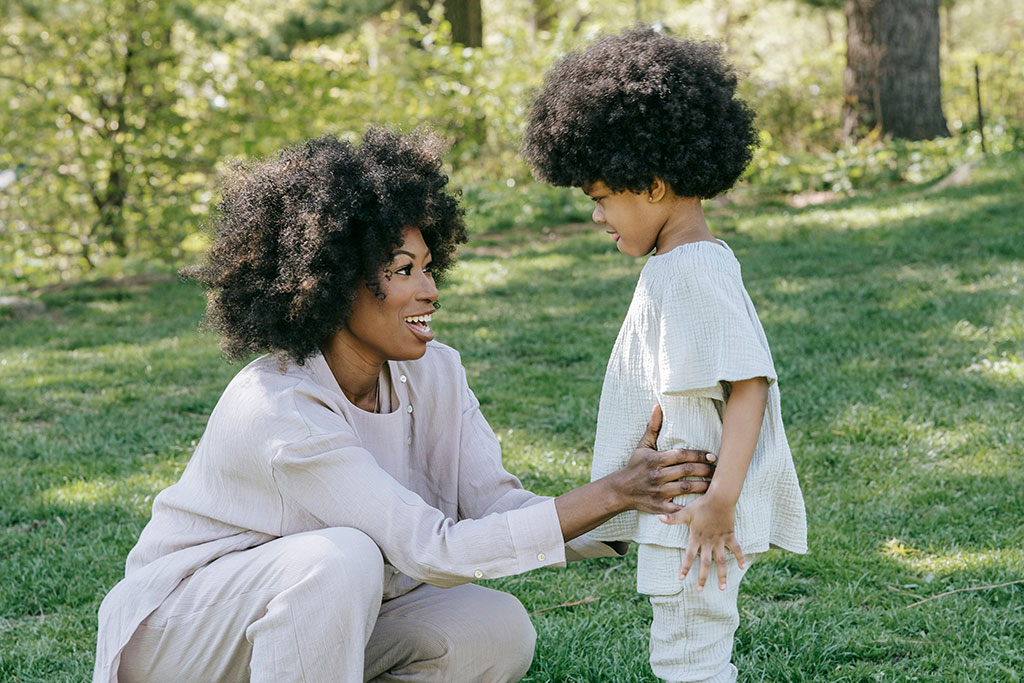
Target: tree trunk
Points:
(892, 69)
(545, 15)
(421, 8)
(466, 19)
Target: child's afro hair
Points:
(639, 105)
(299, 234)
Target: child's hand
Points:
(711, 523)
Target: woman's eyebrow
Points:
(409, 254)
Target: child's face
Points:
(631, 218)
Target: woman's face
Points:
(398, 327)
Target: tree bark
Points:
(466, 18)
(892, 69)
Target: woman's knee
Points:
(522, 639)
(344, 560)
(505, 643)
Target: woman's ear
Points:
(657, 191)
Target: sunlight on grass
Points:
(1005, 369)
(135, 491)
(943, 564)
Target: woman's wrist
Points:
(616, 492)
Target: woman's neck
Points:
(356, 372)
(685, 224)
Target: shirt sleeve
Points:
(333, 478)
(485, 487)
(708, 334)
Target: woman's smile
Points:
(420, 326)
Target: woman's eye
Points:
(404, 270)
(429, 268)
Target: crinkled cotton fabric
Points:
(690, 330)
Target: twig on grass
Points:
(585, 601)
(962, 590)
(613, 568)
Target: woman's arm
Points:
(712, 518)
(648, 482)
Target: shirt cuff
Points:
(584, 548)
(537, 536)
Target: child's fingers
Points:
(734, 547)
(721, 566)
(705, 566)
(680, 516)
(691, 553)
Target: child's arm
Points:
(711, 517)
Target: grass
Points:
(897, 325)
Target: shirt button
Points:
(410, 408)
(541, 556)
(394, 571)
(409, 440)
(403, 379)
(478, 574)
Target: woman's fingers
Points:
(650, 437)
(686, 469)
(686, 456)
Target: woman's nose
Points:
(598, 214)
(428, 290)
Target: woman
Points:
(313, 532)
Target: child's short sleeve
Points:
(709, 333)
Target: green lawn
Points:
(897, 325)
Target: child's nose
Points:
(598, 214)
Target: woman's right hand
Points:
(652, 478)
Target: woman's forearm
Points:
(589, 506)
(741, 427)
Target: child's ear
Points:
(657, 191)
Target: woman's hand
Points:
(652, 478)
(648, 482)
(711, 521)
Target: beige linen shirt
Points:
(285, 452)
(691, 329)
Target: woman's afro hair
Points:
(299, 234)
(639, 105)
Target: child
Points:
(647, 126)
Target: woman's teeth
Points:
(418, 319)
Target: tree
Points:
(892, 69)
(545, 14)
(98, 124)
(466, 18)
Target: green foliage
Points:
(868, 164)
(121, 113)
(896, 321)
